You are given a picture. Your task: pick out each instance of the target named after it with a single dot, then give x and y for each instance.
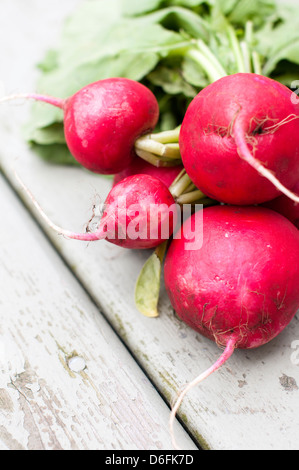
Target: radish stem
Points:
(212, 72)
(180, 186)
(167, 137)
(235, 45)
(147, 144)
(257, 66)
(212, 58)
(191, 197)
(246, 57)
(155, 160)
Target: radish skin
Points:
(103, 121)
(286, 207)
(165, 174)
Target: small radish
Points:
(240, 140)
(286, 207)
(241, 288)
(139, 213)
(103, 120)
(139, 166)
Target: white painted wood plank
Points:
(246, 405)
(66, 380)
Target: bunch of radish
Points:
(239, 147)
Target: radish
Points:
(241, 288)
(286, 207)
(139, 213)
(139, 166)
(239, 140)
(103, 120)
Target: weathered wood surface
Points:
(66, 380)
(253, 402)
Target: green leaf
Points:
(132, 55)
(148, 41)
(288, 52)
(50, 61)
(279, 41)
(42, 115)
(138, 7)
(126, 35)
(177, 19)
(172, 81)
(57, 154)
(240, 11)
(147, 289)
(193, 74)
(53, 134)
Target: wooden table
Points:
(80, 367)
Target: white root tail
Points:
(88, 237)
(245, 154)
(59, 103)
(229, 350)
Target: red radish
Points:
(286, 207)
(139, 166)
(241, 288)
(103, 120)
(139, 213)
(240, 140)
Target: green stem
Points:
(179, 187)
(147, 144)
(235, 45)
(191, 198)
(211, 56)
(159, 149)
(205, 63)
(191, 188)
(249, 33)
(180, 175)
(246, 56)
(257, 65)
(157, 161)
(167, 137)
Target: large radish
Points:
(240, 289)
(139, 213)
(240, 140)
(103, 120)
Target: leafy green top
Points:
(161, 43)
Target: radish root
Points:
(59, 103)
(275, 127)
(88, 237)
(228, 352)
(240, 137)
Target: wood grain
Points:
(246, 405)
(66, 382)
